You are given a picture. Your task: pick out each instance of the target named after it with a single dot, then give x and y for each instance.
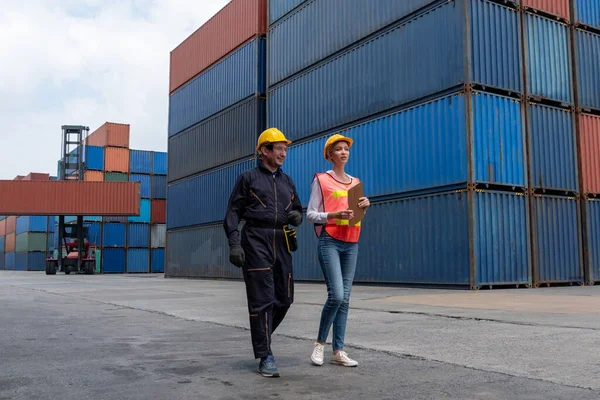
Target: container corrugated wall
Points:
(552, 148)
(30, 261)
(145, 211)
(557, 250)
(233, 132)
(559, 8)
(200, 252)
(94, 232)
(592, 214)
(158, 188)
(140, 162)
(110, 134)
(158, 260)
(138, 260)
(31, 242)
(113, 260)
(144, 184)
(9, 261)
(237, 77)
(115, 219)
(158, 235)
(158, 212)
(159, 163)
(210, 192)
(93, 176)
(10, 243)
(279, 8)
(306, 258)
(589, 134)
(2, 261)
(587, 12)
(548, 59)
(138, 235)
(116, 177)
(32, 224)
(114, 235)
(2, 242)
(116, 159)
(587, 57)
(94, 158)
(297, 41)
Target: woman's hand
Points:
(343, 214)
(363, 202)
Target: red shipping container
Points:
(237, 22)
(11, 223)
(36, 176)
(10, 242)
(110, 134)
(19, 178)
(116, 159)
(3, 228)
(589, 134)
(560, 8)
(69, 198)
(158, 212)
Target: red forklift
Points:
(75, 253)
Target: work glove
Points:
(237, 256)
(295, 218)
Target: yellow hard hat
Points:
(333, 140)
(271, 135)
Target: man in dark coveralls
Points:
(266, 199)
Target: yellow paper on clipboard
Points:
(354, 194)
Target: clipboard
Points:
(354, 194)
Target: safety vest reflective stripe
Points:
(340, 193)
(344, 222)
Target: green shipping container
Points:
(31, 242)
(116, 177)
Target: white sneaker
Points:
(342, 358)
(317, 355)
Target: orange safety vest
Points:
(335, 198)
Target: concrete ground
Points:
(146, 337)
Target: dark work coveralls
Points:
(263, 199)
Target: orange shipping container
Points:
(589, 134)
(69, 198)
(110, 134)
(559, 8)
(11, 223)
(94, 176)
(35, 176)
(237, 22)
(9, 243)
(3, 228)
(116, 159)
(158, 212)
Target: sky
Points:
(85, 62)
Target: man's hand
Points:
(237, 256)
(295, 218)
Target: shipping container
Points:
(238, 76)
(113, 261)
(2, 228)
(115, 219)
(116, 177)
(210, 193)
(389, 70)
(9, 261)
(94, 158)
(144, 216)
(114, 234)
(552, 148)
(138, 235)
(68, 198)
(2, 261)
(110, 134)
(158, 213)
(587, 12)
(296, 42)
(557, 245)
(199, 252)
(2, 244)
(158, 189)
(116, 159)
(548, 59)
(140, 161)
(10, 242)
(159, 163)
(278, 9)
(32, 224)
(11, 221)
(138, 260)
(94, 233)
(93, 176)
(228, 136)
(36, 176)
(426, 146)
(589, 136)
(145, 184)
(30, 261)
(587, 58)
(92, 219)
(31, 242)
(159, 235)
(592, 245)
(158, 260)
(237, 22)
(558, 8)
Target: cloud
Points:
(85, 62)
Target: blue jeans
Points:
(338, 262)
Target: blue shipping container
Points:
(114, 235)
(279, 8)
(587, 12)
(145, 184)
(557, 246)
(140, 162)
(158, 260)
(120, 219)
(203, 199)
(296, 42)
(548, 66)
(228, 136)
(32, 224)
(158, 189)
(94, 158)
(88, 218)
(144, 212)
(592, 222)
(200, 252)
(587, 56)
(390, 70)
(236, 77)
(2, 244)
(425, 146)
(159, 164)
(30, 261)
(2, 261)
(9, 261)
(138, 235)
(552, 148)
(94, 232)
(113, 261)
(138, 260)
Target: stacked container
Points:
(216, 112)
